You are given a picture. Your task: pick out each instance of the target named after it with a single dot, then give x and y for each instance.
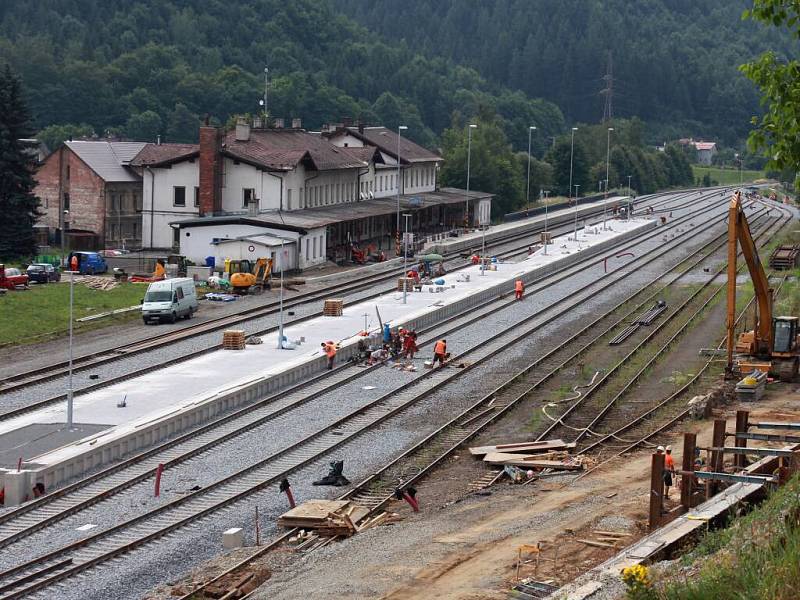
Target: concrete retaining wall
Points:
(156, 431)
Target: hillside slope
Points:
(675, 62)
(148, 67)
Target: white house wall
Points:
(196, 243)
(158, 202)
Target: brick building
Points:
(87, 188)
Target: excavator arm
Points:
(739, 232)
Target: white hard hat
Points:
(669, 448)
(660, 449)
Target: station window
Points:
(196, 196)
(179, 195)
(314, 254)
(289, 199)
(248, 196)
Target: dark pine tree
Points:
(18, 205)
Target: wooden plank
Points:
(613, 533)
(523, 447)
(503, 457)
(530, 461)
(314, 510)
(598, 544)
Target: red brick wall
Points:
(86, 190)
(210, 171)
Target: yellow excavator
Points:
(246, 274)
(772, 345)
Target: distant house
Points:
(705, 150)
(89, 193)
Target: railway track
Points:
(595, 415)
(138, 348)
(93, 360)
(88, 552)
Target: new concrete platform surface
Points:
(173, 399)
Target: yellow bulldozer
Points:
(247, 275)
(773, 345)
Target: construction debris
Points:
(531, 461)
(645, 318)
(98, 283)
(233, 339)
(542, 446)
(331, 518)
(752, 387)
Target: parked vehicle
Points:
(169, 300)
(11, 278)
(89, 263)
(43, 273)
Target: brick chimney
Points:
(210, 171)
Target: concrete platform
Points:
(174, 399)
(40, 438)
(473, 241)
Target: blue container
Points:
(210, 261)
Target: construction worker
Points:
(73, 263)
(329, 348)
(410, 345)
(669, 469)
(439, 352)
(519, 289)
(160, 272)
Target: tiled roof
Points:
(284, 149)
(705, 145)
(160, 154)
(109, 160)
(386, 140)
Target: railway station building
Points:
(246, 192)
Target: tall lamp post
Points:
(400, 128)
(69, 378)
(405, 258)
(575, 233)
(546, 233)
(280, 303)
(630, 201)
(469, 158)
(608, 154)
(569, 191)
(528, 188)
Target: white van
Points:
(169, 299)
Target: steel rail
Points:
(262, 482)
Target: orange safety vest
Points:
(330, 350)
(519, 286)
(440, 347)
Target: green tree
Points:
(493, 167)
(18, 205)
(55, 135)
(144, 126)
(559, 157)
(182, 125)
(777, 132)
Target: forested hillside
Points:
(147, 67)
(675, 62)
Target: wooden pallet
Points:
(233, 339)
(333, 307)
(785, 258)
(407, 281)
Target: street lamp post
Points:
(575, 233)
(469, 158)
(405, 258)
(280, 302)
(64, 220)
(399, 129)
(630, 202)
(571, 154)
(546, 233)
(69, 378)
(528, 188)
(608, 154)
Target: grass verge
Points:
(32, 315)
(725, 176)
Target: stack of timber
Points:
(331, 518)
(98, 283)
(333, 307)
(538, 456)
(233, 339)
(785, 258)
(606, 539)
(408, 282)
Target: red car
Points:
(11, 278)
